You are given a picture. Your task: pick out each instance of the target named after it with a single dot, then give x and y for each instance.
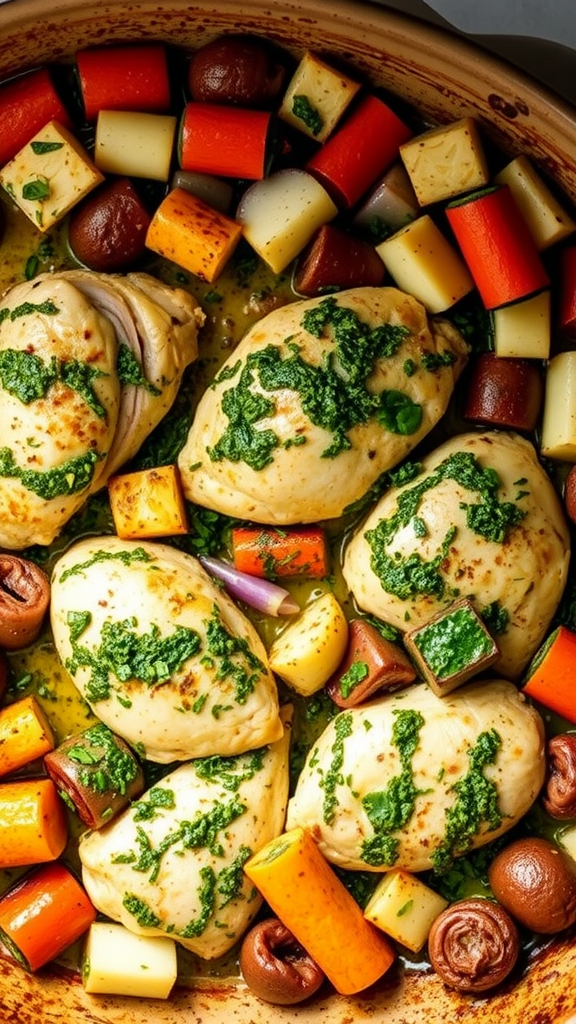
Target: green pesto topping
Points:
(202, 833)
(157, 799)
(141, 912)
(390, 809)
(488, 517)
(122, 652)
(333, 778)
(437, 360)
(230, 772)
(233, 658)
(107, 768)
(476, 803)
(453, 642)
(27, 308)
(231, 878)
(496, 618)
(333, 395)
(130, 372)
(69, 477)
(356, 674)
(303, 109)
(207, 900)
(126, 557)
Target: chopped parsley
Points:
(70, 477)
(28, 378)
(130, 371)
(106, 767)
(233, 658)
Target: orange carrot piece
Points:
(309, 898)
(131, 77)
(33, 824)
(551, 676)
(192, 234)
(268, 552)
(497, 246)
(25, 734)
(43, 914)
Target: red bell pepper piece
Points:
(131, 77)
(43, 914)
(26, 105)
(361, 151)
(230, 142)
(498, 247)
(567, 297)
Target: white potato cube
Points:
(49, 175)
(137, 144)
(546, 218)
(118, 962)
(391, 205)
(559, 418)
(522, 329)
(567, 840)
(148, 503)
(404, 908)
(424, 264)
(316, 97)
(280, 214)
(310, 649)
(444, 162)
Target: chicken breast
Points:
(482, 521)
(172, 863)
(59, 405)
(319, 398)
(413, 780)
(160, 653)
(89, 365)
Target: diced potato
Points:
(522, 329)
(546, 218)
(390, 206)
(310, 649)
(137, 144)
(192, 234)
(50, 175)
(424, 264)
(559, 419)
(316, 97)
(280, 214)
(148, 503)
(446, 161)
(118, 962)
(404, 908)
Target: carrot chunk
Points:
(269, 552)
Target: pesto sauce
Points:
(350, 680)
(233, 658)
(230, 772)
(27, 308)
(28, 378)
(108, 768)
(333, 395)
(476, 803)
(69, 477)
(333, 777)
(130, 372)
(489, 518)
(122, 652)
(125, 557)
(306, 112)
(390, 810)
(453, 642)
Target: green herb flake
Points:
(40, 148)
(306, 112)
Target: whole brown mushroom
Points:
(536, 882)
(24, 600)
(473, 945)
(107, 232)
(559, 794)
(276, 967)
(235, 69)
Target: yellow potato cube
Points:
(444, 162)
(567, 840)
(310, 649)
(49, 175)
(546, 218)
(148, 503)
(559, 418)
(316, 97)
(522, 329)
(280, 214)
(119, 962)
(135, 143)
(404, 908)
(424, 264)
